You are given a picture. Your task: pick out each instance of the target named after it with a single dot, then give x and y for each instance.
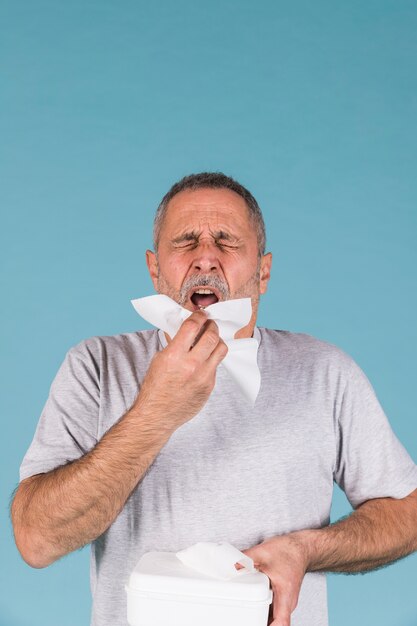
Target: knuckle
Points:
(192, 321)
(223, 349)
(170, 357)
(190, 366)
(212, 337)
(197, 317)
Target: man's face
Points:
(208, 243)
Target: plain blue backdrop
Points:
(311, 105)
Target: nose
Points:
(206, 257)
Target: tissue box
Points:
(163, 591)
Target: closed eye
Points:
(187, 245)
(194, 243)
(225, 245)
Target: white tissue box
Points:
(162, 591)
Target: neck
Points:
(247, 331)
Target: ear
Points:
(265, 272)
(152, 263)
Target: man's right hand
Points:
(181, 377)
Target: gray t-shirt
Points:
(232, 473)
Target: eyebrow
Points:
(194, 235)
(187, 236)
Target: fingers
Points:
(206, 341)
(281, 621)
(189, 331)
(284, 619)
(281, 609)
(217, 355)
(200, 335)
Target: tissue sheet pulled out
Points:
(216, 560)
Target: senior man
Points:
(145, 443)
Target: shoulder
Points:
(305, 350)
(100, 349)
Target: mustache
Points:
(200, 280)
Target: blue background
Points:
(104, 105)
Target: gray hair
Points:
(211, 180)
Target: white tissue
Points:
(216, 560)
(241, 361)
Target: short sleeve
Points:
(371, 462)
(67, 427)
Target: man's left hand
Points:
(284, 560)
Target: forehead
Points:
(207, 207)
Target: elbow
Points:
(33, 550)
(30, 543)
(38, 563)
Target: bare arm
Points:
(62, 510)
(379, 532)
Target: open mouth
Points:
(203, 297)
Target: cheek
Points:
(239, 278)
(173, 268)
(245, 267)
